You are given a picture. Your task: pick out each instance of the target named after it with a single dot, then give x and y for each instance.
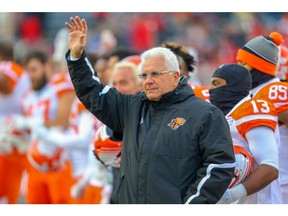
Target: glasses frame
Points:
(154, 74)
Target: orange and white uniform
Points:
(277, 93)
(76, 140)
(245, 120)
(12, 164)
(86, 125)
(19, 80)
(89, 184)
(47, 184)
(83, 124)
(201, 91)
(94, 186)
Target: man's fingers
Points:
(74, 23)
(84, 26)
(69, 27)
(79, 24)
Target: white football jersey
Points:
(277, 93)
(43, 105)
(11, 104)
(248, 114)
(83, 124)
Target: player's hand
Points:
(233, 194)
(77, 36)
(22, 123)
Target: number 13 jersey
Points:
(250, 113)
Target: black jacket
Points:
(176, 150)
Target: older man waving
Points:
(177, 148)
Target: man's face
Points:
(124, 80)
(217, 82)
(109, 68)
(247, 66)
(100, 68)
(155, 87)
(37, 74)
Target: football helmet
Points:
(12, 140)
(282, 67)
(244, 165)
(107, 148)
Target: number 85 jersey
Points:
(247, 114)
(277, 92)
(274, 91)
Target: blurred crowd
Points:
(212, 37)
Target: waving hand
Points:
(77, 36)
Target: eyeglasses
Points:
(154, 74)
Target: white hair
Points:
(130, 65)
(170, 58)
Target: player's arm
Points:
(5, 84)
(263, 147)
(63, 111)
(78, 140)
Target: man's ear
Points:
(176, 76)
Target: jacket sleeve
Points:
(218, 161)
(107, 104)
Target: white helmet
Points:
(244, 165)
(107, 150)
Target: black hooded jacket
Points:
(176, 150)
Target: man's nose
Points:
(149, 79)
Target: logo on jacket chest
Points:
(176, 123)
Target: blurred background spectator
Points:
(212, 37)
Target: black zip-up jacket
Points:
(176, 150)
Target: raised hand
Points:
(77, 36)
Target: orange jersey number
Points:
(43, 105)
(260, 106)
(278, 92)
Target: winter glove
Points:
(233, 194)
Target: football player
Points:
(46, 104)
(187, 65)
(13, 83)
(260, 56)
(252, 124)
(282, 74)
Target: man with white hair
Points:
(125, 78)
(177, 148)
